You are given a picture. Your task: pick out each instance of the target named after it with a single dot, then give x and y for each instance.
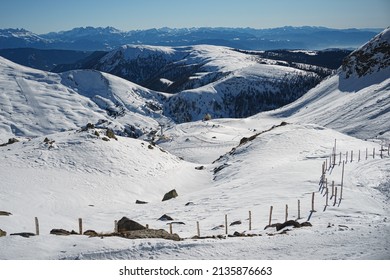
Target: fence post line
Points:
(250, 220)
(299, 209)
(270, 215)
(36, 226)
(198, 229)
(335, 196)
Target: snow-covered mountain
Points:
(35, 102)
(108, 38)
(211, 79)
(21, 38)
(356, 100)
(218, 167)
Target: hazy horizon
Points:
(46, 16)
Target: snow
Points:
(215, 171)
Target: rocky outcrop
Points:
(125, 224)
(169, 195)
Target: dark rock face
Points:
(292, 223)
(140, 202)
(90, 232)
(5, 213)
(165, 218)
(2, 233)
(125, 224)
(169, 195)
(235, 223)
(62, 232)
(24, 234)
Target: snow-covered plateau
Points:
(327, 152)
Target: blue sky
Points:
(42, 16)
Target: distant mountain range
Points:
(91, 38)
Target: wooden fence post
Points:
(250, 220)
(226, 225)
(359, 156)
(381, 151)
(198, 229)
(342, 183)
(115, 226)
(170, 228)
(373, 153)
(36, 226)
(351, 156)
(335, 196)
(340, 159)
(270, 215)
(388, 150)
(312, 203)
(326, 165)
(299, 209)
(286, 212)
(80, 226)
(366, 153)
(346, 157)
(327, 196)
(332, 190)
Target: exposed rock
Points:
(199, 167)
(105, 139)
(177, 223)
(2, 233)
(218, 227)
(90, 232)
(150, 147)
(189, 203)
(10, 141)
(236, 223)
(24, 234)
(165, 217)
(292, 223)
(169, 195)
(62, 232)
(125, 224)
(110, 134)
(140, 202)
(5, 213)
(145, 233)
(90, 126)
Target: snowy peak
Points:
(372, 57)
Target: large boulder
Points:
(125, 224)
(2, 233)
(169, 195)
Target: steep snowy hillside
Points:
(36, 103)
(356, 100)
(211, 79)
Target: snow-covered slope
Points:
(83, 176)
(36, 103)
(210, 79)
(356, 100)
